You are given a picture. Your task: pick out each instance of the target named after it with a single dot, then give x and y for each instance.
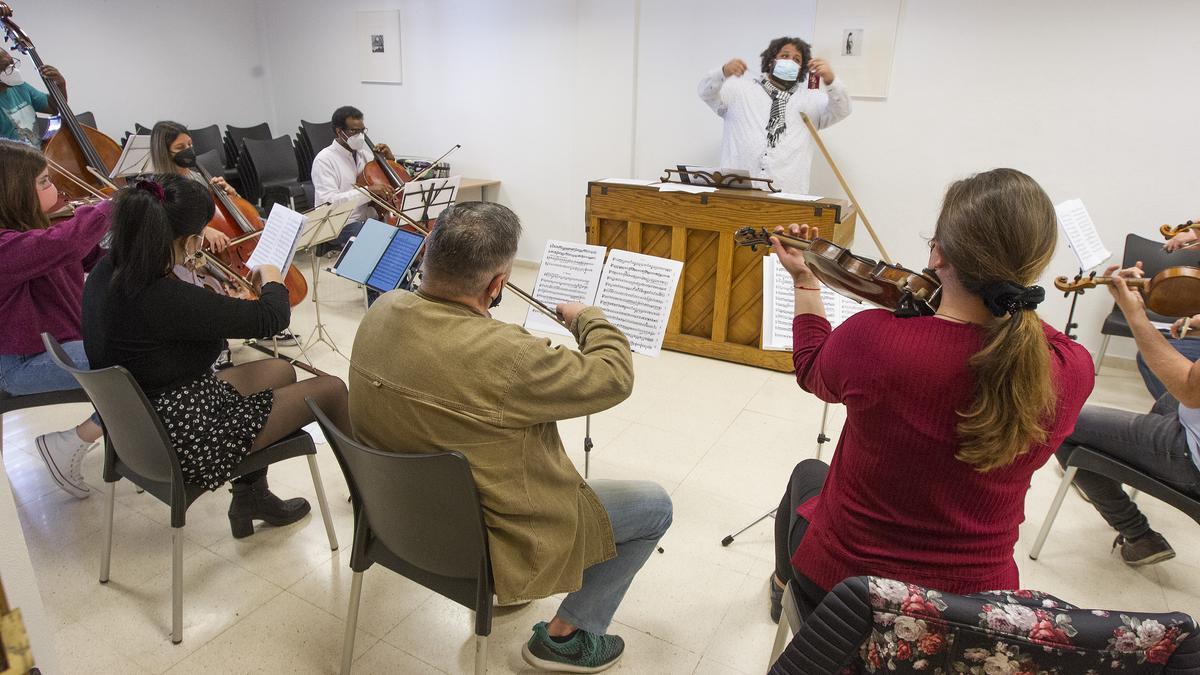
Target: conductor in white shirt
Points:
(764, 133)
(336, 168)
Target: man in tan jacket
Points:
(432, 371)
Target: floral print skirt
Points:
(211, 427)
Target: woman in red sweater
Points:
(41, 285)
(947, 416)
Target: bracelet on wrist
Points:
(806, 288)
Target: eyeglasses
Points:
(354, 132)
(12, 67)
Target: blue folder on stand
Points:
(379, 256)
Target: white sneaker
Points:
(63, 453)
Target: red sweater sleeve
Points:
(33, 253)
(810, 336)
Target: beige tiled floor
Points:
(720, 437)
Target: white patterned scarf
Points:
(777, 124)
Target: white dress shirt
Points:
(746, 107)
(334, 171)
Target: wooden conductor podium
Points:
(718, 305)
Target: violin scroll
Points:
(1077, 285)
(1169, 231)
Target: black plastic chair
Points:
(317, 136)
(235, 135)
(207, 139)
(136, 447)
(211, 161)
(858, 620)
(418, 515)
(1109, 467)
(1154, 260)
(10, 403)
(277, 172)
(88, 118)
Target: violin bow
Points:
(58, 168)
(846, 186)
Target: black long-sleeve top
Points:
(171, 332)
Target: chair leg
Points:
(106, 554)
(1100, 354)
(1068, 478)
(177, 585)
(322, 502)
(481, 642)
(351, 623)
(784, 632)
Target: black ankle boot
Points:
(253, 501)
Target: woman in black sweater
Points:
(167, 333)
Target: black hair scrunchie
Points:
(1006, 297)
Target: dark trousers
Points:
(805, 483)
(1155, 444)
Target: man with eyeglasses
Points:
(20, 102)
(335, 170)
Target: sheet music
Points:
(569, 272)
(636, 294)
(779, 306)
(1081, 234)
(395, 261)
(792, 196)
(676, 187)
(277, 244)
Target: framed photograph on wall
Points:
(377, 43)
(858, 39)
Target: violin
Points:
(1175, 291)
(1169, 231)
(882, 284)
(237, 219)
(82, 147)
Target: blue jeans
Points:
(1155, 444)
(1189, 348)
(37, 374)
(640, 512)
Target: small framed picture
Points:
(377, 45)
(852, 41)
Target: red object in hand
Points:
(814, 80)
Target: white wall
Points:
(1096, 101)
(194, 61)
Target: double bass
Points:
(78, 148)
(237, 219)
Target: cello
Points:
(237, 219)
(79, 149)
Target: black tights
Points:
(289, 412)
(805, 483)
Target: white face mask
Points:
(12, 79)
(786, 70)
(357, 142)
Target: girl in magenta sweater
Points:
(41, 287)
(947, 416)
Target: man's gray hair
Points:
(471, 243)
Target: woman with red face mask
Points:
(41, 289)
